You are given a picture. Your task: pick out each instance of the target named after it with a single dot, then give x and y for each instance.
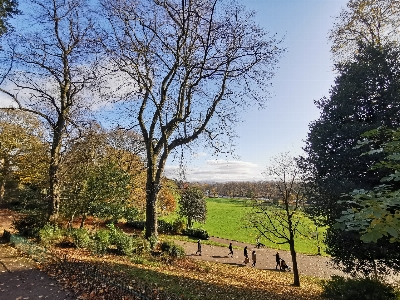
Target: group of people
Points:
(279, 261)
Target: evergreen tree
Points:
(366, 95)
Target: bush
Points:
(101, 241)
(80, 237)
(172, 249)
(339, 288)
(50, 234)
(165, 227)
(179, 225)
(123, 242)
(153, 240)
(30, 224)
(196, 233)
(141, 245)
(137, 224)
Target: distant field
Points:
(225, 219)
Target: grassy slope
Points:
(225, 219)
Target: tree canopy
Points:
(366, 95)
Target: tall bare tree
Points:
(53, 69)
(187, 68)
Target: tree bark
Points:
(151, 208)
(54, 191)
(296, 278)
(3, 179)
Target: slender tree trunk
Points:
(189, 222)
(83, 220)
(375, 270)
(296, 278)
(3, 179)
(151, 209)
(55, 191)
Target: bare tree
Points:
(279, 221)
(188, 67)
(52, 71)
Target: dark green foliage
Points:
(30, 224)
(123, 242)
(101, 241)
(196, 233)
(172, 249)
(179, 226)
(165, 227)
(50, 234)
(339, 288)
(136, 224)
(192, 205)
(8, 8)
(366, 96)
(80, 237)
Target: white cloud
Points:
(220, 171)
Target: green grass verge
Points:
(226, 219)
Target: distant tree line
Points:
(238, 189)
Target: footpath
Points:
(312, 265)
(20, 278)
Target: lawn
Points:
(226, 219)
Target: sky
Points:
(305, 74)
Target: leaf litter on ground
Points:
(179, 279)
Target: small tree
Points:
(279, 221)
(192, 205)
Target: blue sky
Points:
(305, 74)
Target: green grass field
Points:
(226, 219)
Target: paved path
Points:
(20, 277)
(313, 265)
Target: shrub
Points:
(101, 241)
(123, 242)
(179, 225)
(50, 234)
(172, 249)
(339, 288)
(80, 237)
(165, 227)
(196, 233)
(153, 240)
(141, 245)
(30, 224)
(137, 224)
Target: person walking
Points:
(198, 247)
(254, 258)
(278, 260)
(230, 250)
(246, 255)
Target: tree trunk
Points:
(151, 209)
(54, 191)
(3, 179)
(83, 220)
(296, 278)
(2, 189)
(189, 222)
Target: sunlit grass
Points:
(226, 218)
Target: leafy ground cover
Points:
(226, 218)
(187, 279)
